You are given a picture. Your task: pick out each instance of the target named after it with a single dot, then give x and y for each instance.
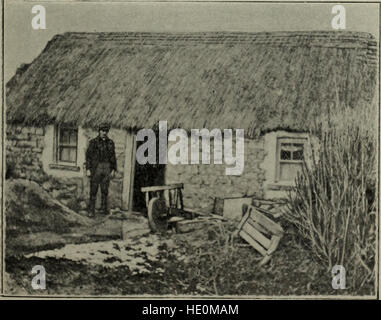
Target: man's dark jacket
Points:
(95, 154)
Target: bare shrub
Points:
(333, 206)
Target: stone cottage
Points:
(273, 85)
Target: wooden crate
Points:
(272, 208)
(260, 232)
(230, 208)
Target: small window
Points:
(290, 158)
(67, 143)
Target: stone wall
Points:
(203, 183)
(24, 146)
(27, 157)
(28, 154)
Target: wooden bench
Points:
(260, 232)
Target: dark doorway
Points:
(146, 175)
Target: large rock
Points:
(26, 199)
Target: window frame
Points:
(279, 161)
(58, 145)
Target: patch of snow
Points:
(136, 254)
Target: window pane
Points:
(298, 152)
(68, 136)
(285, 155)
(289, 171)
(73, 137)
(68, 154)
(64, 154)
(73, 155)
(64, 136)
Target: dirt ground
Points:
(196, 263)
(119, 255)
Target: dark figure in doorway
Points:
(100, 167)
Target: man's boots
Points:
(104, 208)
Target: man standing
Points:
(100, 167)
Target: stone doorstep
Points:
(134, 225)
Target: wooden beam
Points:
(203, 214)
(243, 220)
(160, 188)
(129, 171)
(252, 242)
(258, 227)
(274, 244)
(256, 235)
(267, 211)
(260, 218)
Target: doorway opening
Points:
(146, 175)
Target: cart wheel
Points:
(158, 215)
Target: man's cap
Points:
(104, 127)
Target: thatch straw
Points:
(255, 81)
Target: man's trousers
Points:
(101, 177)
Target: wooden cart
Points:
(165, 206)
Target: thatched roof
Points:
(255, 81)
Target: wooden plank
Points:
(265, 260)
(274, 244)
(252, 242)
(203, 214)
(278, 215)
(243, 220)
(263, 210)
(259, 217)
(166, 187)
(191, 225)
(181, 199)
(147, 199)
(258, 227)
(215, 216)
(270, 207)
(176, 219)
(268, 202)
(256, 235)
(176, 198)
(196, 212)
(272, 214)
(129, 171)
(193, 221)
(168, 197)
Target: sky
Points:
(23, 43)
